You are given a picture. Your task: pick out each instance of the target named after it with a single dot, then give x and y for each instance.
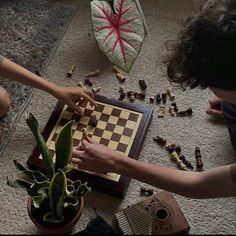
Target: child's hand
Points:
(95, 157)
(215, 107)
(72, 95)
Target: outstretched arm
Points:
(212, 183)
(67, 95)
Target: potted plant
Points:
(55, 203)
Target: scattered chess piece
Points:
(93, 120)
(141, 96)
(174, 156)
(159, 140)
(80, 84)
(198, 158)
(88, 82)
(122, 89)
(158, 98)
(172, 110)
(175, 106)
(116, 69)
(187, 112)
(170, 147)
(163, 96)
(178, 149)
(170, 94)
(120, 77)
(96, 90)
(70, 72)
(84, 133)
(131, 95)
(122, 96)
(142, 84)
(151, 99)
(93, 73)
(148, 192)
(161, 112)
(186, 162)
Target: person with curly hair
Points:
(204, 55)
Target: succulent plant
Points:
(52, 188)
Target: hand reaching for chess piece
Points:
(96, 157)
(93, 156)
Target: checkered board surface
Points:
(116, 129)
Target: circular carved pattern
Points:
(163, 213)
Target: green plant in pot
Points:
(55, 203)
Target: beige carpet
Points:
(213, 216)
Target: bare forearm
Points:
(12, 71)
(207, 184)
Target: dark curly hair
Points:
(205, 53)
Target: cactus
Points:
(52, 188)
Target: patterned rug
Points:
(30, 31)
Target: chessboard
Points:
(121, 126)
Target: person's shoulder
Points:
(233, 172)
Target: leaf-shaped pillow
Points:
(120, 35)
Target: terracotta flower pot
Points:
(63, 229)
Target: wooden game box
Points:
(121, 126)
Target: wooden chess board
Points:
(121, 126)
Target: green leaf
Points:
(82, 190)
(43, 195)
(47, 159)
(64, 146)
(71, 201)
(37, 175)
(38, 185)
(19, 183)
(120, 35)
(57, 190)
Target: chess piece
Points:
(163, 96)
(170, 94)
(198, 158)
(122, 96)
(189, 111)
(93, 120)
(175, 106)
(151, 99)
(131, 95)
(70, 72)
(159, 140)
(161, 112)
(158, 98)
(80, 84)
(142, 84)
(175, 157)
(186, 162)
(84, 133)
(93, 73)
(172, 110)
(141, 96)
(116, 69)
(88, 82)
(122, 89)
(148, 192)
(96, 90)
(177, 149)
(121, 77)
